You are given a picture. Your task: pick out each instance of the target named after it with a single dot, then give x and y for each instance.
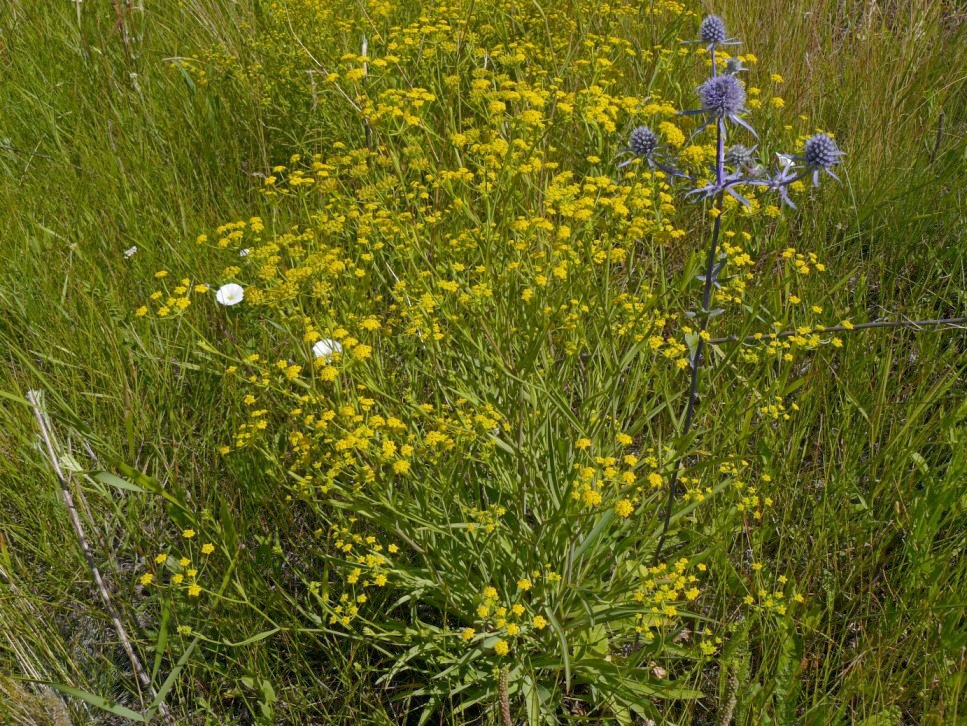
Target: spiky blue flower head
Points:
(738, 155)
(643, 142)
(821, 154)
(722, 96)
(712, 30)
(733, 67)
(820, 150)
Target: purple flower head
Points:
(821, 154)
(643, 142)
(733, 67)
(712, 30)
(722, 96)
(738, 155)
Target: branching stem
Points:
(953, 323)
(703, 324)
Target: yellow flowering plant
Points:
(461, 401)
(477, 337)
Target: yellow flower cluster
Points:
(180, 573)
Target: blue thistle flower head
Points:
(722, 96)
(738, 155)
(734, 66)
(820, 150)
(643, 142)
(821, 154)
(712, 30)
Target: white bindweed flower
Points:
(130, 252)
(244, 253)
(326, 348)
(230, 294)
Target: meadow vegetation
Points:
(368, 357)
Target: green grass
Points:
(107, 142)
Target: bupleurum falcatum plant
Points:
(466, 425)
(475, 347)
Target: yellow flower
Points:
(161, 558)
(146, 579)
(524, 584)
(582, 443)
(673, 135)
(207, 549)
(194, 590)
(468, 633)
(539, 622)
(501, 648)
(188, 533)
(513, 629)
(624, 508)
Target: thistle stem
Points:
(703, 324)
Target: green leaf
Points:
(98, 701)
(602, 523)
(565, 654)
(254, 639)
(106, 477)
(159, 646)
(170, 680)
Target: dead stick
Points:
(503, 687)
(65, 480)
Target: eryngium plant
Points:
(722, 99)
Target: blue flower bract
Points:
(722, 96)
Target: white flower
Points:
(785, 160)
(130, 252)
(230, 294)
(244, 253)
(325, 348)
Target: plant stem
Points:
(954, 323)
(703, 324)
(503, 688)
